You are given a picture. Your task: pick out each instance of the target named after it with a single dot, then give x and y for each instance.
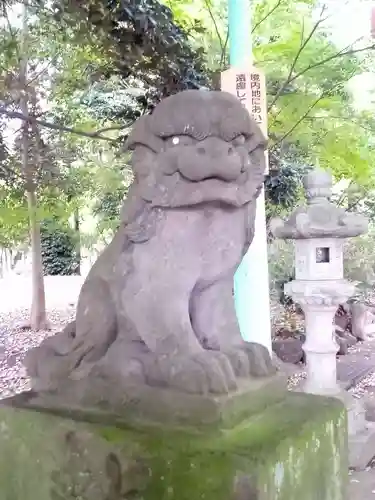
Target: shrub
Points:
(281, 266)
(59, 249)
(359, 263)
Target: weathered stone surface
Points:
(361, 434)
(362, 447)
(291, 451)
(157, 306)
(138, 404)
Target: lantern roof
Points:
(319, 218)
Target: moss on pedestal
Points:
(292, 450)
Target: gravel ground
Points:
(15, 341)
(61, 297)
(364, 387)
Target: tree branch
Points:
(10, 174)
(330, 58)
(269, 13)
(344, 194)
(292, 129)
(11, 32)
(303, 45)
(113, 127)
(341, 53)
(224, 51)
(305, 115)
(208, 7)
(42, 71)
(343, 118)
(61, 128)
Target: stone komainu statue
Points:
(157, 306)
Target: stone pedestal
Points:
(320, 350)
(319, 301)
(290, 450)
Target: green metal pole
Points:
(239, 24)
(251, 288)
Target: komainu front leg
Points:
(260, 361)
(200, 373)
(215, 323)
(174, 356)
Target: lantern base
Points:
(319, 301)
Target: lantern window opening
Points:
(322, 255)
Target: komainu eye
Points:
(239, 140)
(179, 140)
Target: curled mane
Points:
(138, 217)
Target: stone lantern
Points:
(319, 230)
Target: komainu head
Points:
(198, 135)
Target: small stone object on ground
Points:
(345, 335)
(359, 313)
(351, 339)
(288, 350)
(343, 345)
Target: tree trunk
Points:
(16, 259)
(78, 239)
(38, 316)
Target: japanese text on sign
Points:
(249, 92)
(241, 87)
(248, 85)
(256, 97)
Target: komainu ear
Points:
(141, 134)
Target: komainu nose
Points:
(215, 148)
